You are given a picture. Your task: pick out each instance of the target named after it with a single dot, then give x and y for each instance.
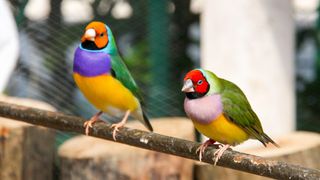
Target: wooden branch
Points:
(161, 143)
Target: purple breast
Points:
(204, 110)
(88, 63)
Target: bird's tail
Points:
(147, 122)
(142, 117)
(265, 139)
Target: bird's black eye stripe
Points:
(199, 82)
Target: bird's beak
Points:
(90, 34)
(187, 86)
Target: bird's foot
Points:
(88, 124)
(219, 152)
(203, 147)
(116, 129)
(119, 125)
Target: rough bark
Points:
(85, 157)
(301, 148)
(26, 151)
(161, 143)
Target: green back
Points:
(119, 68)
(235, 105)
(123, 75)
(238, 109)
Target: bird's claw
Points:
(203, 147)
(116, 129)
(217, 155)
(200, 150)
(87, 125)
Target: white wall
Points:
(251, 42)
(8, 44)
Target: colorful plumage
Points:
(104, 79)
(220, 110)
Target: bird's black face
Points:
(194, 95)
(90, 45)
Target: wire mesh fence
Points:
(159, 41)
(153, 38)
(155, 55)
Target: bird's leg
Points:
(88, 124)
(203, 147)
(120, 124)
(219, 152)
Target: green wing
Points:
(237, 108)
(121, 72)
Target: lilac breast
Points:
(204, 110)
(88, 63)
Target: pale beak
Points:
(90, 34)
(187, 86)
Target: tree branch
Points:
(161, 143)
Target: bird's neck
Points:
(112, 48)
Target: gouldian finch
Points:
(104, 79)
(220, 110)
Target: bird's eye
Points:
(102, 34)
(199, 82)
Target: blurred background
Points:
(159, 41)
(272, 51)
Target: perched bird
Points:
(104, 79)
(220, 110)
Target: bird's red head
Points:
(95, 35)
(195, 82)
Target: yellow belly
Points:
(223, 131)
(106, 92)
